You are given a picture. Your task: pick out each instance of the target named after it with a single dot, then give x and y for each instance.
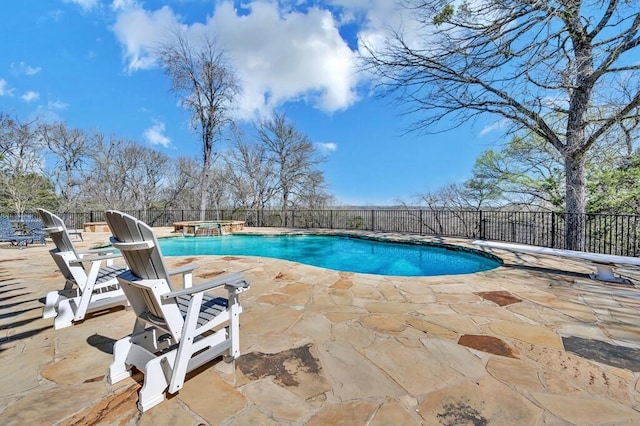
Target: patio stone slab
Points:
(539, 314)
(389, 308)
(418, 372)
(20, 373)
(352, 376)
(488, 344)
(429, 327)
(313, 325)
(252, 417)
(529, 333)
(457, 323)
(353, 413)
(627, 333)
(383, 323)
(606, 353)
(120, 409)
(580, 410)
(213, 399)
(586, 331)
(566, 371)
(484, 402)
(354, 333)
(456, 357)
(297, 369)
(82, 365)
(500, 297)
(279, 402)
(275, 322)
(50, 404)
(170, 412)
(393, 413)
(515, 372)
(484, 313)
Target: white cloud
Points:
(56, 105)
(84, 4)
(498, 125)
(25, 69)
(49, 112)
(282, 57)
(155, 135)
(278, 56)
(140, 31)
(123, 4)
(4, 89)
(30, 96)
(327, 147)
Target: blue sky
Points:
(90, 63)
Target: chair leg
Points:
(50, 304)
(233, 329)
(155, 383)
(118, 370)
(66, 313)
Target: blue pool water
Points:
(338, 253)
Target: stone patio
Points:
(534, 342)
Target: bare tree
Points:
(250, 174)
(20, 147)
(70, 151)
(181, 188)
(145, 169)
(207, 88)
(562, 70)
(293, 157)
(124, 175)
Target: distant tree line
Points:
(66, 169)
(528, 174)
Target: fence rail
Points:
(607, 234)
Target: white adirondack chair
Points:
(176, 331)
(90, 276)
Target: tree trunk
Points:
(204, 193)
(575, 202)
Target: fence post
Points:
(420, 216)
(553, 229)
(482, 230)
(373, 220)
(330, 219)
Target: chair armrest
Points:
(187, 274)
(232, 280)
(98, 250)
(134, 245)
(184, 269)
(98, 258)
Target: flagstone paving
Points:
(534, 342)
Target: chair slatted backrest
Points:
(34, 224)
(6, 229)
(65, 250)
(57, 232)
(139, 247)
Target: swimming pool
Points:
(340, 253)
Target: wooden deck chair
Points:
(8, 234)
(34, 228)
(90, 275)
(176, 331)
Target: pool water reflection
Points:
(340, 253)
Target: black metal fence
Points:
(608, 234)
